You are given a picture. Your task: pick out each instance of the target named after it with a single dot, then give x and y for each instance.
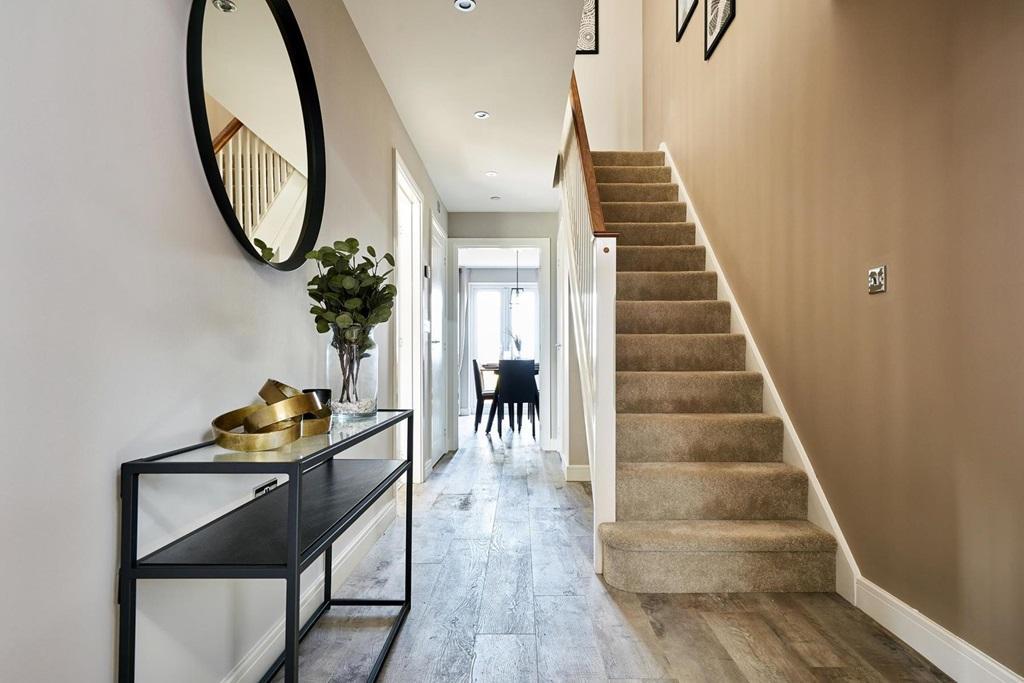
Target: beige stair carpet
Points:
(705, 503)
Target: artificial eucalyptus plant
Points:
(352, 297)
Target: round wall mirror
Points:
(258, 125)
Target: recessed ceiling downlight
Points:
(491, 174)
(495, 198)
(226, 6)
(481, 115)
(465, 5)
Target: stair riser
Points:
(672, 317)
(686, 286)
(638, 192)
(658, 438)
(633, 174)
(660, 259)
(658, 494)
(653, 234)
(680, 352)
(643, 212)
(650, 392)
(628, 158)
(728, 572)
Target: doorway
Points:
(411, 340)
(499, 311)
(438, 344)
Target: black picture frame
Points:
(681, 27)
(709, 49)
(597, 32)
(312, 117)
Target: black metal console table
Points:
(274, 536)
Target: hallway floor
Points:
(504, 590)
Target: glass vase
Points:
(358, 396)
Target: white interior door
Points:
(411, 355)
(438, 345)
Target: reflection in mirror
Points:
(256, 123)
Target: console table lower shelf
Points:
(274, 536)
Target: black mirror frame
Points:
(312, 119)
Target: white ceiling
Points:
(512, 58)
(474, 257)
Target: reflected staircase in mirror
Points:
(266, 192)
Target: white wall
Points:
(611, 82)
(132, 317)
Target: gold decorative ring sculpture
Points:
(276, 424)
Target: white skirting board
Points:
(576, 472)
(346, 558)
(956, 657)
(953, 655)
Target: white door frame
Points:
(438, 233)
(409, 347)
(547, 357)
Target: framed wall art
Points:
(587, 44)
(684, 11)
(718, 15)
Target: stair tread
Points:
(601, 184)
(683, 374)
(702, 417)
(645, 204)
(670, 469)
(717, 536)
(691, 335)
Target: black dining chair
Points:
(516, 388)
(481, 396)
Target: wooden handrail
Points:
(580, 126)
(234, 125)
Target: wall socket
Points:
(876, 280)
(264, 488)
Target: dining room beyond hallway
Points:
(504, 590)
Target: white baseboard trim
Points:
(953, 655)
(576, 472)
(819, 511)
(256, 662)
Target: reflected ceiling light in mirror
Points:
(465, 5)
(481, 115)
(226, 6)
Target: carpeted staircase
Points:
(705, 503)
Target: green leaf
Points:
(343, 320)
(322, 326)
(353, 303)
(390, 259)
(349, 282)
(371, 251)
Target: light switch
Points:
(876, 280)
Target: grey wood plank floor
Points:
(504, 590)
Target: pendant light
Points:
(517, 290)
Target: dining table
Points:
(493, 367)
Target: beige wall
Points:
(132, 317)
(611, 82)
(823, 138)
